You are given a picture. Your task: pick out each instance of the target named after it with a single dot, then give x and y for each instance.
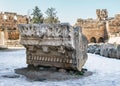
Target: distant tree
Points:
(51, 16)
(37, 15)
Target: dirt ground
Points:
(51, 74)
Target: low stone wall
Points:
(106, 50)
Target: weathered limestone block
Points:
(105, 49)
(56, 45)
(109, 50)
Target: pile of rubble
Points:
(107, 50)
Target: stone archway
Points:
(101, 39)
(93, 40)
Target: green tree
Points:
(51, 16)
(37, 15)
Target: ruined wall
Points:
(114, 24)
(102, 28)
(8, 26)
(93, 30)
(114, 30)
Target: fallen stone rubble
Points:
(106, 50)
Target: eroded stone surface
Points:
(107, 50)
(57, 45)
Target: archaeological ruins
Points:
(9, 35)
(101, 29)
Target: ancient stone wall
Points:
(114, 24)
(102, 28)
(114, 29)
(93, 30)
(8, 26)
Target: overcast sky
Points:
(67, 10)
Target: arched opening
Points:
(100, 40)
(93, 40)
(14, 28)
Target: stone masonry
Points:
(102, 28)
(8, 28)
(54, 45)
